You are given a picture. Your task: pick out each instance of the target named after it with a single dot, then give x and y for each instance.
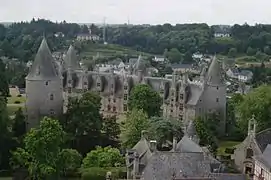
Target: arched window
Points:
(249, 153)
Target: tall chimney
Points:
(153, 146)
(174, 144)
(144, 134)
(136, 165)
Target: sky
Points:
(139, 11)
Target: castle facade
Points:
(50, 83)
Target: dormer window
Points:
(46, 83)
(125, 87)
(181, 96)
(98, 84)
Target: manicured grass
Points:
(12, 108)
(5, 178)
(226, 144)
(13, 99)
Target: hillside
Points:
(108, 51)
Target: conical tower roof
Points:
(140, 64)
(71, 60)
(43, 67)
(214, 75)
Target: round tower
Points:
(44, 92)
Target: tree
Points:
(267, 50)
(103, 157)
(111, 131)
(251, 51)
(205, 134)
(232, 52)
(135, 123)
(174, 56)
(6, 142)
(19, 125)
(70, 161)
(41, 154)
(258, 103)
(4, 89)
(144, 97)
(164, 130)
(83, 121)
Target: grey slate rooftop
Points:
(263, 138)
(43, 66)
(265, 158)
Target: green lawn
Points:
(5, 178)
(13, 99)
(12, 108)
(225, 144)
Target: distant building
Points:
(241, 75)
(253, 146)
(87, 37)
(159, 59)
(262, 170)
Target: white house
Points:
(262, 170)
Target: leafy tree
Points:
(258, 103)
(110, 131)
(267, 50)
(5, 135)
(144, 97)
(135, 123)
(251, 51)
(70, 161)
(4, 89)
(19, 124)
(164, 130)
(174, 56)
(83, 121)
(205, 134)
(103, 157)
(41, 154)
(232, 52)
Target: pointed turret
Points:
(139, 65)
(70, 59)
(43, 66)
(214, 75)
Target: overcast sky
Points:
(139, 11)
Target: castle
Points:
(50, 83)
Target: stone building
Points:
(48, 83)
(186, 160)
(253, 145)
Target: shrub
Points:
(98, 173)
(17, 102)
(19, 95)
(229, 150)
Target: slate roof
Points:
(187, 145)
(263, 138)
(165, 165)
(214, 73)
(140, 64)
(43, 67)
(143, 150)
(71, 60)
(195, 94)
(265, 158)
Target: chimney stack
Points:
(174, 144)
(153, 145)
(144, 134)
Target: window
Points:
(171, 110)
(52, 112)
(108, 107)
(69, 90)
(172, 99)
(181, 117)
(98, 84)
(69, 81)
(217, 99)
(46, 83)
(217, 87)
(114, 109)
(125, 107)
(51, 97)
(85, 83)
(249, 153)
(261, 172)
(125, 97)
(181, 96)
(109, 99)
(125, 87)
(114, 100)
(181, 107)
(171, 105)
